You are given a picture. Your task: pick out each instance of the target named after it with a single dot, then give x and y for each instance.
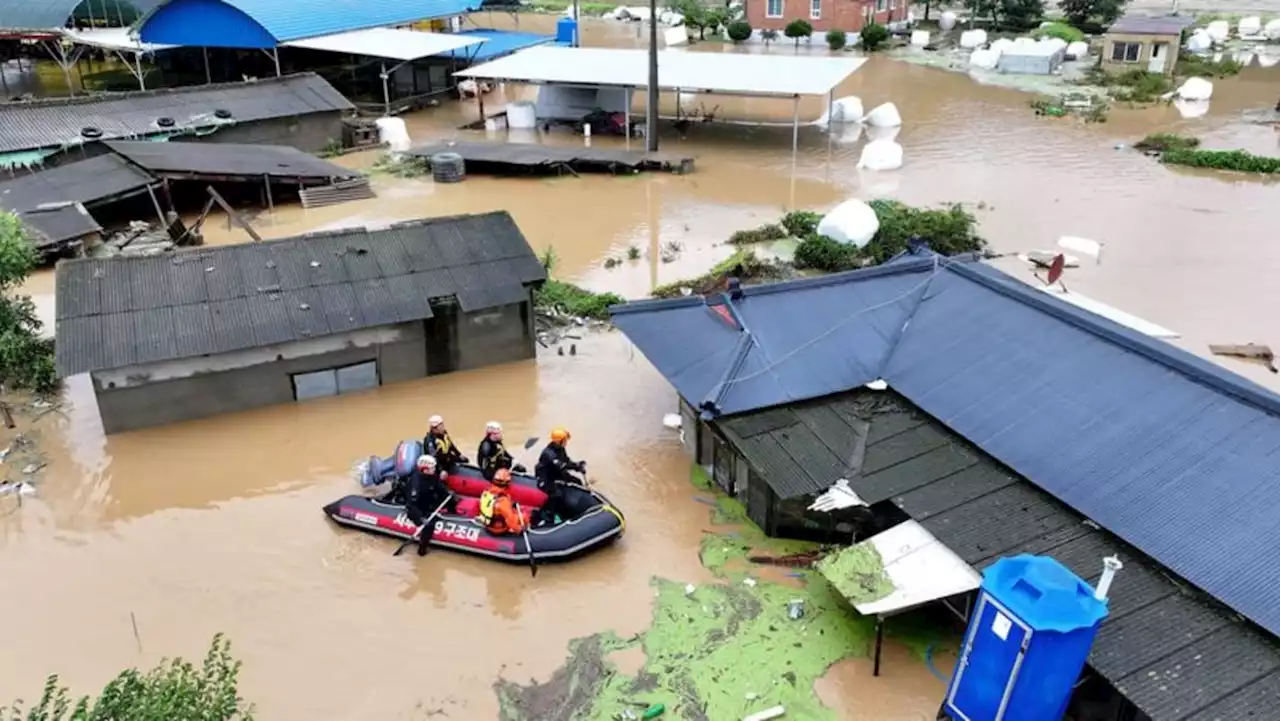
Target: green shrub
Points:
(1160, 142)
(578, 302)
(873, 36)
(950, 230)
(739, 31)
(1195, 66)
(26, 359)
(1236, 160)
(175, 690)
(743, 265)
(797, 29)
(822, 253)
(1138, 86)
(801, 223)
(1062, 31)
(836, 39)
(763, 234)
(768, 36)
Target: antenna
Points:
(1054, 276)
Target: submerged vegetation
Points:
(561, 297)
(173, 690)
(1062, 31)
(949, 230)
(743, 265)
(1196, 66)
(26, 359)
(1185, 150)
(1133, 86)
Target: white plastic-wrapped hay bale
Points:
(884, 116)
(1244, 57)
(984, 59)
(1055, 44)
(1251, 25)
(846, 133)
(881, 155)
(874, 133)
(1191, 108)
(919, 38)
(1219, 30)
(844, 110)
(1195, 89)
(1078, 50)
(947, 21)
(970, 39)
(1000, 44)
(1267, 60)
(1272, 29)
(522, 115)
(393, 133)
(1199, 41)
(852, 222)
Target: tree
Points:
(797, 29)
(695, 15)
(873, 36)
(173, 690)
(739, 31)
(715, 18)
(26, 359)
(768, 36)
(836, 39)
(1079, 12)
(1022, 14)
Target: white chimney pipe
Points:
(1110, 565)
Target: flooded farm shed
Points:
(218, 330)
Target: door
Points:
(1159, 55)
(993, 652)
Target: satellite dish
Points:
(1055, 268)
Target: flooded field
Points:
(215, 526)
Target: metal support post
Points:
(651, 105)
(795, 125)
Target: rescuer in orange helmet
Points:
(552, 472)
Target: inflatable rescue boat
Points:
(593, 521)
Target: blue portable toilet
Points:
(1028, 639)
(567, 31)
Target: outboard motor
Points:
(377, 471)
(406, 458)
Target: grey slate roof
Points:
(46, 14)
(176, 159)
(55, 123)
(52, 226)
(1155, 444)
(1145, 25)
(119, 312)
(100, 178)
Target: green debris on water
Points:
(857, 573)
(713, 651)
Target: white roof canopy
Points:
(400, 45)
(728, 73)
(118, 39)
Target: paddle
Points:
(524, 531)
(533, 441)
(430, 518)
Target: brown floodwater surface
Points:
(215, 525)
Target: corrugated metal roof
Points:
(1144, 25)
(47, 14)
(101, 178)
(227, 159)
(57, 122)
(52, 226)
(300, 19)
(1153, 443)
(119, 312)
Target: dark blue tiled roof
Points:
(1175, 455)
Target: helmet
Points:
(435, 421)
(493, 427)
(559, 435)
(502, 477)
(426, 461)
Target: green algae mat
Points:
(716, 652)
(857, 573)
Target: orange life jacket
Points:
(498, 513)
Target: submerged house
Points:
(220, 329)
(1002, 420)
(1138, 42)
(302, 111)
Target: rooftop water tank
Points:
(566, 31)
(1028, 639)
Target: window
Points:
(773, 8)
(882, 5)
(335, 381)
(815, 9)
(1126, 52)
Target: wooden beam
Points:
(233, 215)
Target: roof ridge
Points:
(135, 94)
(1166, 354)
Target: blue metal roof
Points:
(1172, 453)
(49, 14)
(268, 23)
(498, 43)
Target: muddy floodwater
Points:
(215, 525)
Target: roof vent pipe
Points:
(735, 288)
(1110, 565)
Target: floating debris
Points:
(1249, 351)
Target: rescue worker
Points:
(498, 512)
(424, 492)
(438, 443)
(552, 471)
(492, 454)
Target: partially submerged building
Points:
(1139, 42)
(302, 111)
(1002, 420)
(221, 329)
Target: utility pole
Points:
(651, 105)
(577, 26)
